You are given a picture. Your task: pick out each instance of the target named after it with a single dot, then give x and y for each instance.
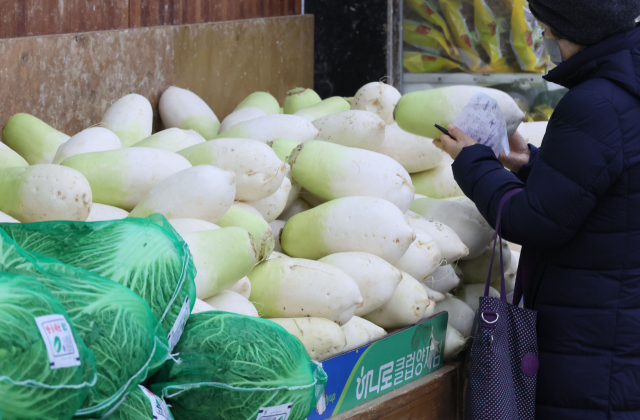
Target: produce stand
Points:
(70, 80)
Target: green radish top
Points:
(9, 158)
(261, 100)
(300, 98)
(32, 138)
(283, 147)
(331, 105)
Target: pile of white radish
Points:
(337, 219)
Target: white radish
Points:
(5, 218)
(283, 147)
(509, 274)
(258, 170)
(406, 307)
(379, 98)
(9, 158)
(363, 224)
(202, 192)
(476, 270)
(471, 294)
(242, 287)
(243, 114)
(233, 302)
(443, 280)
(414, 153)
(422, 258)
(359, 332)
(460, 314)
(333, 171)
(294, 193)
(466, 221)
(181, 108)
(328, 106)
(263, 101)
(311, 198)
(533, 132)
(271, 207)
(246, 217)
(376, 278)
(451, 247)
(201, 306)
(276, 254)
(31, 138)
(44, 192)
(294, 287)
(184, 226)
(454, 343)
(361, 129)
(437, 182)
(416, 112)
(122, 177)
(271, 127)
(434, 296)
(298, 206)
(276, 227)
(95, 139)
(171, 139)
(222, 257)
(103, 212)
(130, 118)
(320, 337)
(300, 98)
(431, 309)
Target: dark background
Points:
(350, 44)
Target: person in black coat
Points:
(578, 214)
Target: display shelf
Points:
(420, 81)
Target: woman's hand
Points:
(454, 146)
(519, 155)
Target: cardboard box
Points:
(377, 368)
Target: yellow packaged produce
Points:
(416, 62)
(460, 18)
(425, 37)
(527, 40)
(493, 23)
(542, 113)
(430, 11)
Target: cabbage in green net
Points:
(232, 365)
(31, 386)
(114, 323)
(145, 255)
(138, 406)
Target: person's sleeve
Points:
(525, 170)
(581, 159)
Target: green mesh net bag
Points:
(140, 404)
(46, 371)
(145, 255)
(230, 366)
(114, 323)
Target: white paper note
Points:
(483, 120)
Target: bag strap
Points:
(498, 235)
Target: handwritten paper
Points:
(483, 120)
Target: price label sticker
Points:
(159, 409)
(280, 412)
(178, 327)
(58, 339)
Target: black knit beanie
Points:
(586, 22)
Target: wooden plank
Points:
(434, 397)
(70, 80)
(72, 16)
(225, 62)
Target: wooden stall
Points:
(70, 80)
